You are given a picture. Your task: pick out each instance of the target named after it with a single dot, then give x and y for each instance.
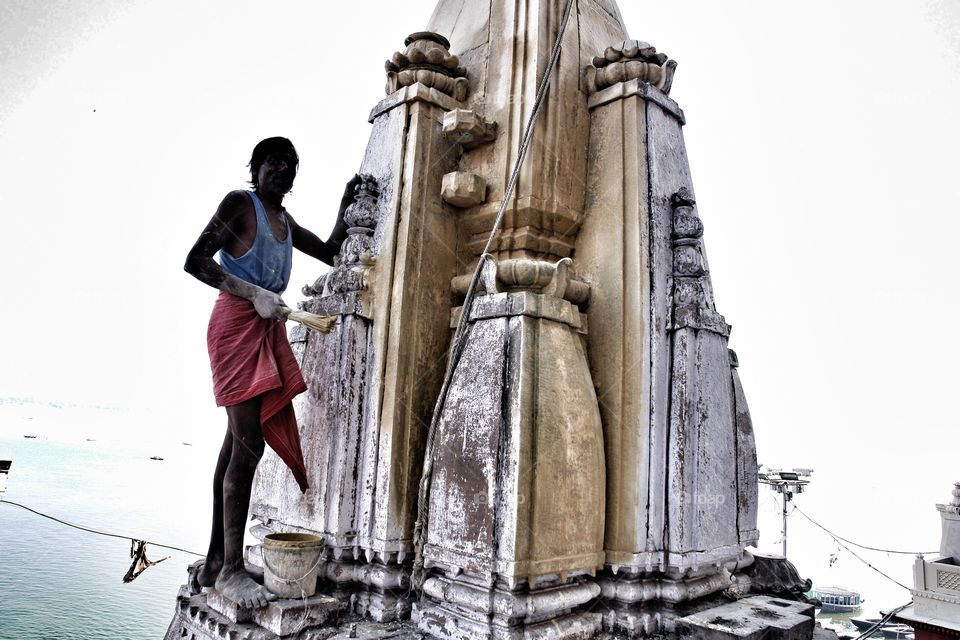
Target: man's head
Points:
(281, 160)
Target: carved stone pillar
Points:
(373, 380)
(516, 502)
(677, 432)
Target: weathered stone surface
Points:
(427, 60)
(672, 405)
(597, 419)
(373, 379)
(775, 576)
(517, 491)
(462, 189)
(748, 500)
(289, 617)
(630, 60)
(507, 431)
(228, 608)
(363, 630)
(505, 47)
(755, 618)
(468, 129)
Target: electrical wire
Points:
(863, 546)
(97, 531)
(852, 552)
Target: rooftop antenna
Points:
(786, 483)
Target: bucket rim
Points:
(292, 540)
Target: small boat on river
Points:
(837, 599)
(885, 630)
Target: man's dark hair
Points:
(271, 146)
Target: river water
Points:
(59, 583)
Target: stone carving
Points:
(774, 575)
(692, 291)
(467, 128)
(427, 60)
(463, 189)
(353, 263)
(631, 60)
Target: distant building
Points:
(935, 612)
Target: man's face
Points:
(277, 173)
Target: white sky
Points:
(822, 137)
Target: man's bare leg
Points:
(210, 569)
(246, 450)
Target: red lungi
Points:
(251, 357)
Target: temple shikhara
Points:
(588, 467)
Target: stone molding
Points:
(417, 92)
(526, 605)
(631, 60)
(537, 227)
(427, 60)
(674, 591)
(513, 573)
(640, 89)
(522, 273)
(935, 595)
(523, 303)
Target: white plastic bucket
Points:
(290, 562)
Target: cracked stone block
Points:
(755, 618)
(285, 617)
(462, 189)
(228, 608)
(466, 128)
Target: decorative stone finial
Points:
(631, 60)
(353, 262)
(427, 60)
(956, 495)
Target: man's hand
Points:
(269, 305)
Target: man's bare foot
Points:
(206, 572)
(238, 586)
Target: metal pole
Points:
(786, 495)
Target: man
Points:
(254, 372)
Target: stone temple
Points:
(593, 468)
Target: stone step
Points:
(754, 618)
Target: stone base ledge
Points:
(447, 624)
(754, 618)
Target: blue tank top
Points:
(267, 262)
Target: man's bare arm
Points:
(223, 229)
(306, 241)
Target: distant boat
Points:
(187, 444)
(156, 458)
(885, 630)
(31, 437)
(90, 440)
(837, 599)
(902, 631)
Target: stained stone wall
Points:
(596, 441)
